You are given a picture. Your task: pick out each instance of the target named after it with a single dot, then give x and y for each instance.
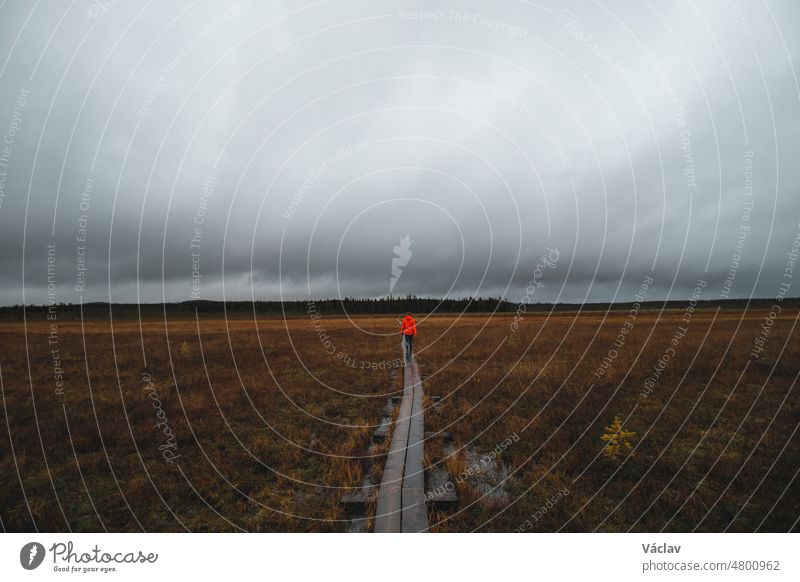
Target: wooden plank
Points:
(402, 506)
(388, 512)
(415, 507)
(441, 489)
(444, 435)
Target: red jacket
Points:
(408, 326)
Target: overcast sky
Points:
(297, 143)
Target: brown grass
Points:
(266, 447)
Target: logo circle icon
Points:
(31, 555)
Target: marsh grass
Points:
(264, 446)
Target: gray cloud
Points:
(302, 142)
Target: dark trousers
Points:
(408, 340)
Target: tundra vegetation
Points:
(268, 426)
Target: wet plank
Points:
(415, 508)
(388, 512)
(401, 503)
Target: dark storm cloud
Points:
(287, 150)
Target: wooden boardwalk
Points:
(401, 500)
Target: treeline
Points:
(238, 309)
(348, 305)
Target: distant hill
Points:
(349, 305)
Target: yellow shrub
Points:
(617, 439)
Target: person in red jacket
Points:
(408, 327)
